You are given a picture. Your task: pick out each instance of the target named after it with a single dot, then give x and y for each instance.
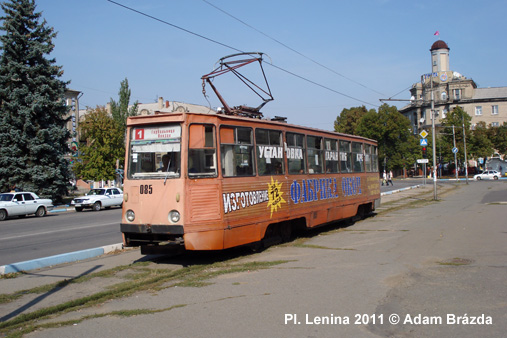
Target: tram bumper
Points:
(151, 234)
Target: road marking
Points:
(55, 231)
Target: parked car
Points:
(487, 175)
(97, 199)
(23, 203)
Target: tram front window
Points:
(155, 152)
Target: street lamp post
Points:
(465, 146)
(434, 142)
(455, 158)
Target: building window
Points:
(478, 110)
(495, 124)
(494, 110)
(456, 93)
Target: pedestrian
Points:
(384, 178)
(390, 178)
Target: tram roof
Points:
(180, 116)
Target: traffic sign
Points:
(454, 150)
(423, 142)
(422, 160)
(423, 133)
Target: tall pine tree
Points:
(33, 135)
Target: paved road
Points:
(432, 263)
(28, 238)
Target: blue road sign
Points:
(454, 150)
(424, 142)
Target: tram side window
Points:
(202, 151)
(357, 157)
(331, 155)
(315, 152)
(367, 158)
(269, 152)
(236, 147)
(374, 159)
(296, 153)
(345, 157)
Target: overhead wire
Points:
(292, 49)
(238, 50)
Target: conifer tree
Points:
(33, 135)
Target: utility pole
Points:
(455, 158)
(465, 146)
(434, 140)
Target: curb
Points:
(62, 208)
(59, 259)
(400, 190)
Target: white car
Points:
(487, 175)
(22, 204)
(99, 198)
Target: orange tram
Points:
(214, 181)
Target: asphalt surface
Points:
(425, 262)
(31, 237)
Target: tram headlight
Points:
(174, 216)
(130, 215)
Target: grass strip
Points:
(192, 276)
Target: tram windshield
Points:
(155, 152)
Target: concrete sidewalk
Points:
(431, 260)
(74, 264)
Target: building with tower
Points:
(451, 89)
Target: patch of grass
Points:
(151, 279)
(311, 246)
(121, 313)
(12, 275)
(456, 261)
(6, 298)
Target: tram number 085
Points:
(146, 189)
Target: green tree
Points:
(120, 111)
(499, 138)
(348, 119)
(480, 141)
(398, 147)
(458, 118)
(33, 133)
(103, 145)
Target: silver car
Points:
(99, 198)
(22, 204)
(487, 175)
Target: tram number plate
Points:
(146, 189)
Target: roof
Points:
(439, 44)
(490, 93)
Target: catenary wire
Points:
(292, 49)
(238, 50)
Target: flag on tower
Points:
(437, 33)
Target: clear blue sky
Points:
(381, 47)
